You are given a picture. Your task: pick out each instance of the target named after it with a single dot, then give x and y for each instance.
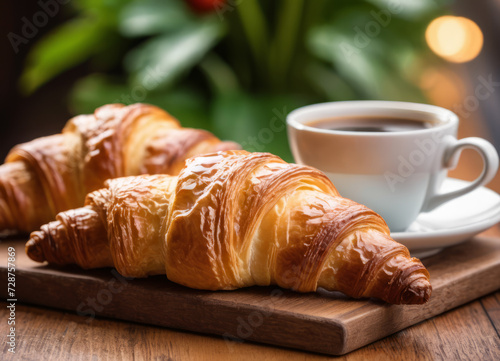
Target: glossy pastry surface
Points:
(52, 174)
(236, 219)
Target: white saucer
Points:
(453, 222)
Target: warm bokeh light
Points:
(443, 87)
(456, 39)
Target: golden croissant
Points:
(236, 219)
(52, 174)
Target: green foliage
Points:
(184, 102)
(238, 70)
(159, 61)
(69, 45)
(255, 121)
(147, 18)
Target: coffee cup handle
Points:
(451, 155)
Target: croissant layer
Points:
(235, 219)
(52, 174)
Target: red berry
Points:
(205, 6)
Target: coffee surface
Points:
(373, 124)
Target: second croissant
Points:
(52, 174)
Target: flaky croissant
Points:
(52, 174)
(236, 219)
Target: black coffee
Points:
(370, 124)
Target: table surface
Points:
(470, 332)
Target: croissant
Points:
(236, 219)
(52, 174)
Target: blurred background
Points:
(237, 67)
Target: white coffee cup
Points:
(397, 174)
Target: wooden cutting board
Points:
(323, 322)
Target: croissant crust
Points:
(52, 174)
(236, 219)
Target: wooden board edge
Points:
(485, 282)
(233, 323)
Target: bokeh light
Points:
(454, 38)
(443, 86)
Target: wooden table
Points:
(470, 332)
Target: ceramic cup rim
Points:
(443, 118)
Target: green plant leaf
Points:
(257, 122)
(408, 9)
(95, 90)
(161, 60)
(153, 17)
(107, 10)
(69, 45)
(327, 81)
(184, 103)
(371, 68)
(235, 116)
(219, 74)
